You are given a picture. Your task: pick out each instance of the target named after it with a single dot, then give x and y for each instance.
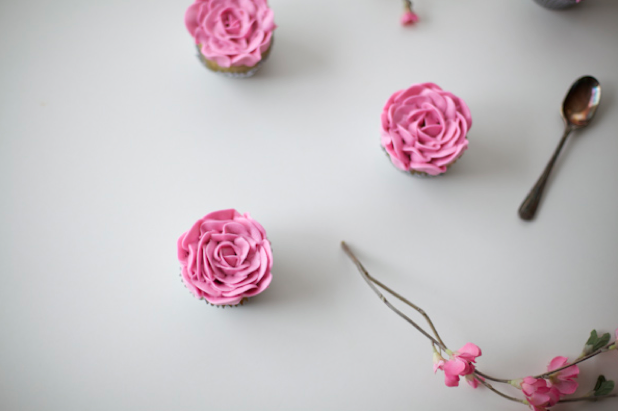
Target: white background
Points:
(114, 140)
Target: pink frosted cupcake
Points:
(225, 258)
(424, 129)
(233, 37)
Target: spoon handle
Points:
(527, 210)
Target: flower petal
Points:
(566, 387)
(557, 362)
(451, 380)
(470, 351)
(455, 366)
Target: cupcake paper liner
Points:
(557, 4)
(242, 302)
(422, 174)
(234, 71)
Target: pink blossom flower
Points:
(438, 361)
(408, 18)
(563, 382)
(538, 394)
(460, 364)
(471, 380)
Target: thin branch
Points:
(593, 399)
(503, 395)
(478, 375)
(368, 279)
(489, 377)
(549, 373)
(404, 300)
(597, 352)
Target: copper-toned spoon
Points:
(578, 109)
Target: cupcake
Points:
(225, 258)
(233, 37)
(424, 129)
(557, 4)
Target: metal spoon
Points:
(578, 109)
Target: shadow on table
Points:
(301, 271)
(293, 58)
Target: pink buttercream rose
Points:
(231, 32)
(424, 128)
(225, 257)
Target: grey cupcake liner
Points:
(556, 4)
(242, 302)
(246, 74)
(422, 174)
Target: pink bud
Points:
(408, 18)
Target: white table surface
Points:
(114, 140)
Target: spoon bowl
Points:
(578, 109)
(581, 102)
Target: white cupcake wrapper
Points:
(556, 4)
(242, 302)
